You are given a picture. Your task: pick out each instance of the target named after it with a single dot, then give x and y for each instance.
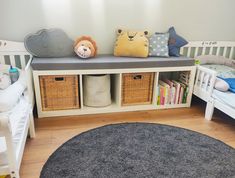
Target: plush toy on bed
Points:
(85, 47)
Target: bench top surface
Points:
(108, 62)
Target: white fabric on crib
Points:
(10, 96)
(17, 117)
(19, 112)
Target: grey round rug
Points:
(141, 150)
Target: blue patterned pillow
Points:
(175, 43)
(158, 45)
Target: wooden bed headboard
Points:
(218, 48)
(15, 54)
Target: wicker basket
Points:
(137, 88)
(59, 92)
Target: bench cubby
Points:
(173, 88)
(137, 88)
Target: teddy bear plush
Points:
(85, 47)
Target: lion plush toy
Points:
(131, 43)
(85, 47)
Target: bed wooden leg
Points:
(209, 110)
(31, 126)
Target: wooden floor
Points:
(52, 132)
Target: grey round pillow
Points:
(49, 43)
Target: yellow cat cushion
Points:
(131, 43)
(3, 176)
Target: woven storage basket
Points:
(137, 88)
(59, 92)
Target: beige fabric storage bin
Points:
(96, 90)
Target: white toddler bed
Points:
(205, 78)
(15, 124)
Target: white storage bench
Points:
(117, 67)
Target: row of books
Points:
(171, 92)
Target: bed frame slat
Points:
(206, 81)
(2, 59)
(196, 52)
(203, 50)
(210, 50)
(218, 51)
(189, 52)
(225, 51)
(22, 61)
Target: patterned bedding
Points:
(222, 70)
(225, 73)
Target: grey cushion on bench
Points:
(108, 62)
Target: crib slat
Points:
(189, 52)
(182, 51)
(225, 51)
(23, 62)
(2, 60)
(203, 51)
(210, 50)
(231, 53)
(12, 60)
(196, 52)
(218, 51)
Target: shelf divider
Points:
(81, 91)
(155, 84)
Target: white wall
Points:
(193, 19)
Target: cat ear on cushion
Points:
(119, 31)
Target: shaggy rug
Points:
(140, 150)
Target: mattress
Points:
(227, 98)
(108, 62)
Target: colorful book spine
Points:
(162, 95)
(185, 95)
(158, 95)
(181, 95)
(177, 92)
(166, 91)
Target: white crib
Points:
(205, 78)
(12, 149)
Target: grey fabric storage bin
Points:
(96, 90)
